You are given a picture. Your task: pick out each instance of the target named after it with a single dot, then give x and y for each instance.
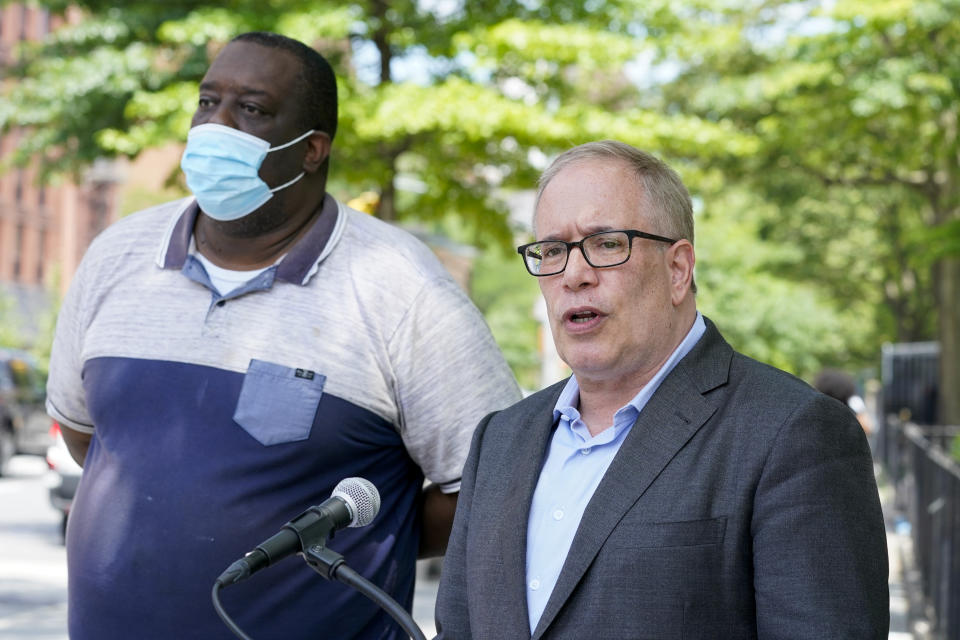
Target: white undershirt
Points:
(226, 280)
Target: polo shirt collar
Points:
(296, 267)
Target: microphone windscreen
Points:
(362, 497)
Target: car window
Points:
(20, 371)
(25, 378)
(6, 380)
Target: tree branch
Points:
(926, 187)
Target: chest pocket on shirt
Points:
(277, 404)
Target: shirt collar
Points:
(570, 396)
(297, 266)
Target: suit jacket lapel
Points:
(673, 415)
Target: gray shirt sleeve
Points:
(450, 373)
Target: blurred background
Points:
(819, 140)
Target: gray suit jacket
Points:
(742, 504)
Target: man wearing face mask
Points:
(222, 362)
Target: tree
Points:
(489, 87)
(820, 163)
(789, 322)
(444, 107)
(856, 117)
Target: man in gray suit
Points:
(672, 487)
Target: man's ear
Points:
(318, 150)
(681, 260)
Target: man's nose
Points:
(223, 116)
(578, 273)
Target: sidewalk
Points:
(906, 610)
(425, 595)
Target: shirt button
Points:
(558, 514)
(584, 452)
(220, 303)
(534, 584)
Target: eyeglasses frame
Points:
(631, 234)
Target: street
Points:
(33, 573)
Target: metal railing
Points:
(927, 482)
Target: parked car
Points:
(24, 425)
(66, 475)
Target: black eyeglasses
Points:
(604, 249)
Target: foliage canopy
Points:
(820, 140)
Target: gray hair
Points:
(668, 200)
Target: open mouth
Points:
(582, 316)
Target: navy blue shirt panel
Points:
(167, 451)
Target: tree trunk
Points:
(387, 205)
(948, 299)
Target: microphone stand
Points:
(330, 565)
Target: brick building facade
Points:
(44, 229)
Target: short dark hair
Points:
(836, 384)
(317, 82)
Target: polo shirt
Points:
(216, 418)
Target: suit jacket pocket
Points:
(634, 534)
(277, 404)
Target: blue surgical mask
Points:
(222, 166)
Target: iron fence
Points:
(927, 482)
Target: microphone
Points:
(353, 503)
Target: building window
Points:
(18, 189)
(98, 199)
(17, 251)
(24, 19)
(41, 259)
(43, 26)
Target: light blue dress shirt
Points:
(574, 466)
